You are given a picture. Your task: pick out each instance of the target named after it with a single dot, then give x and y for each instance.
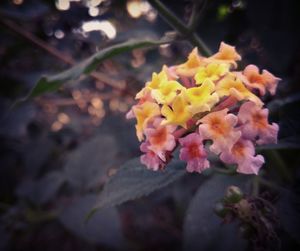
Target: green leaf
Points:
(105, 228)
(52, 83)
(42, 190)
(87, 166)
(134, 180)
(201, 220)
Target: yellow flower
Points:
(157, 79)
(230, 85)
(143, 114)
(189, 68)
(202, 98)
(179, 114)
(212, 71)
(166, 92)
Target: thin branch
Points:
(59, 55)
(198, 8)
(177, 24)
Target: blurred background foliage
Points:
(58, 150)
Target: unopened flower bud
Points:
(233, 194)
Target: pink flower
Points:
(255, 124)
(242, 154)
(150, 159)
(254, 80)
(194, 153)
(160, 138)
(219, 127)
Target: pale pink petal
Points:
(254, 124)
(130, 114)
(150, 159)
(193, 153)
(251, 165)
(242, 154)
(269, 136)
(220, 128)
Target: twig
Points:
(198, 9)
(255, 186)
(59, 55)
(177, 24)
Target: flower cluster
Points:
(205, 105)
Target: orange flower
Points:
(262, 82)
(226, 54)
(219, 127)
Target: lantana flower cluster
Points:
(205, 105)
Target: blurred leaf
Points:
(134, 180)
(202, 226)
(4, 238)
(104, 228)
(52, 83)
(289, 212)
(14, 124)
(36, 154)
(42, 190)
(289, 115)
(286, 143)
(87, 166)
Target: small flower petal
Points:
(255, 124)
(201, 98)
(219, 127)
(226, 54)
(213, 71)
(143, 114)
(179, 114)
(150, 159)
(232, 86)
(194, 153)
(190, 67)
(262, 82)
(160, 138)
(242, 153)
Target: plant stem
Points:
(225, 171)
(255, 186)
(177, 24)
(279, 164)
(198, 8)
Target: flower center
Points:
(159, 137)
(194, 151)
(238, 149)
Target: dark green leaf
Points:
(52, 83)
(43, 190)
(289, 212)
(87, 166)
(105, 228)
(133, 180)
(286, 143)
(202, 226)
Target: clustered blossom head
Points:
(205, 105)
